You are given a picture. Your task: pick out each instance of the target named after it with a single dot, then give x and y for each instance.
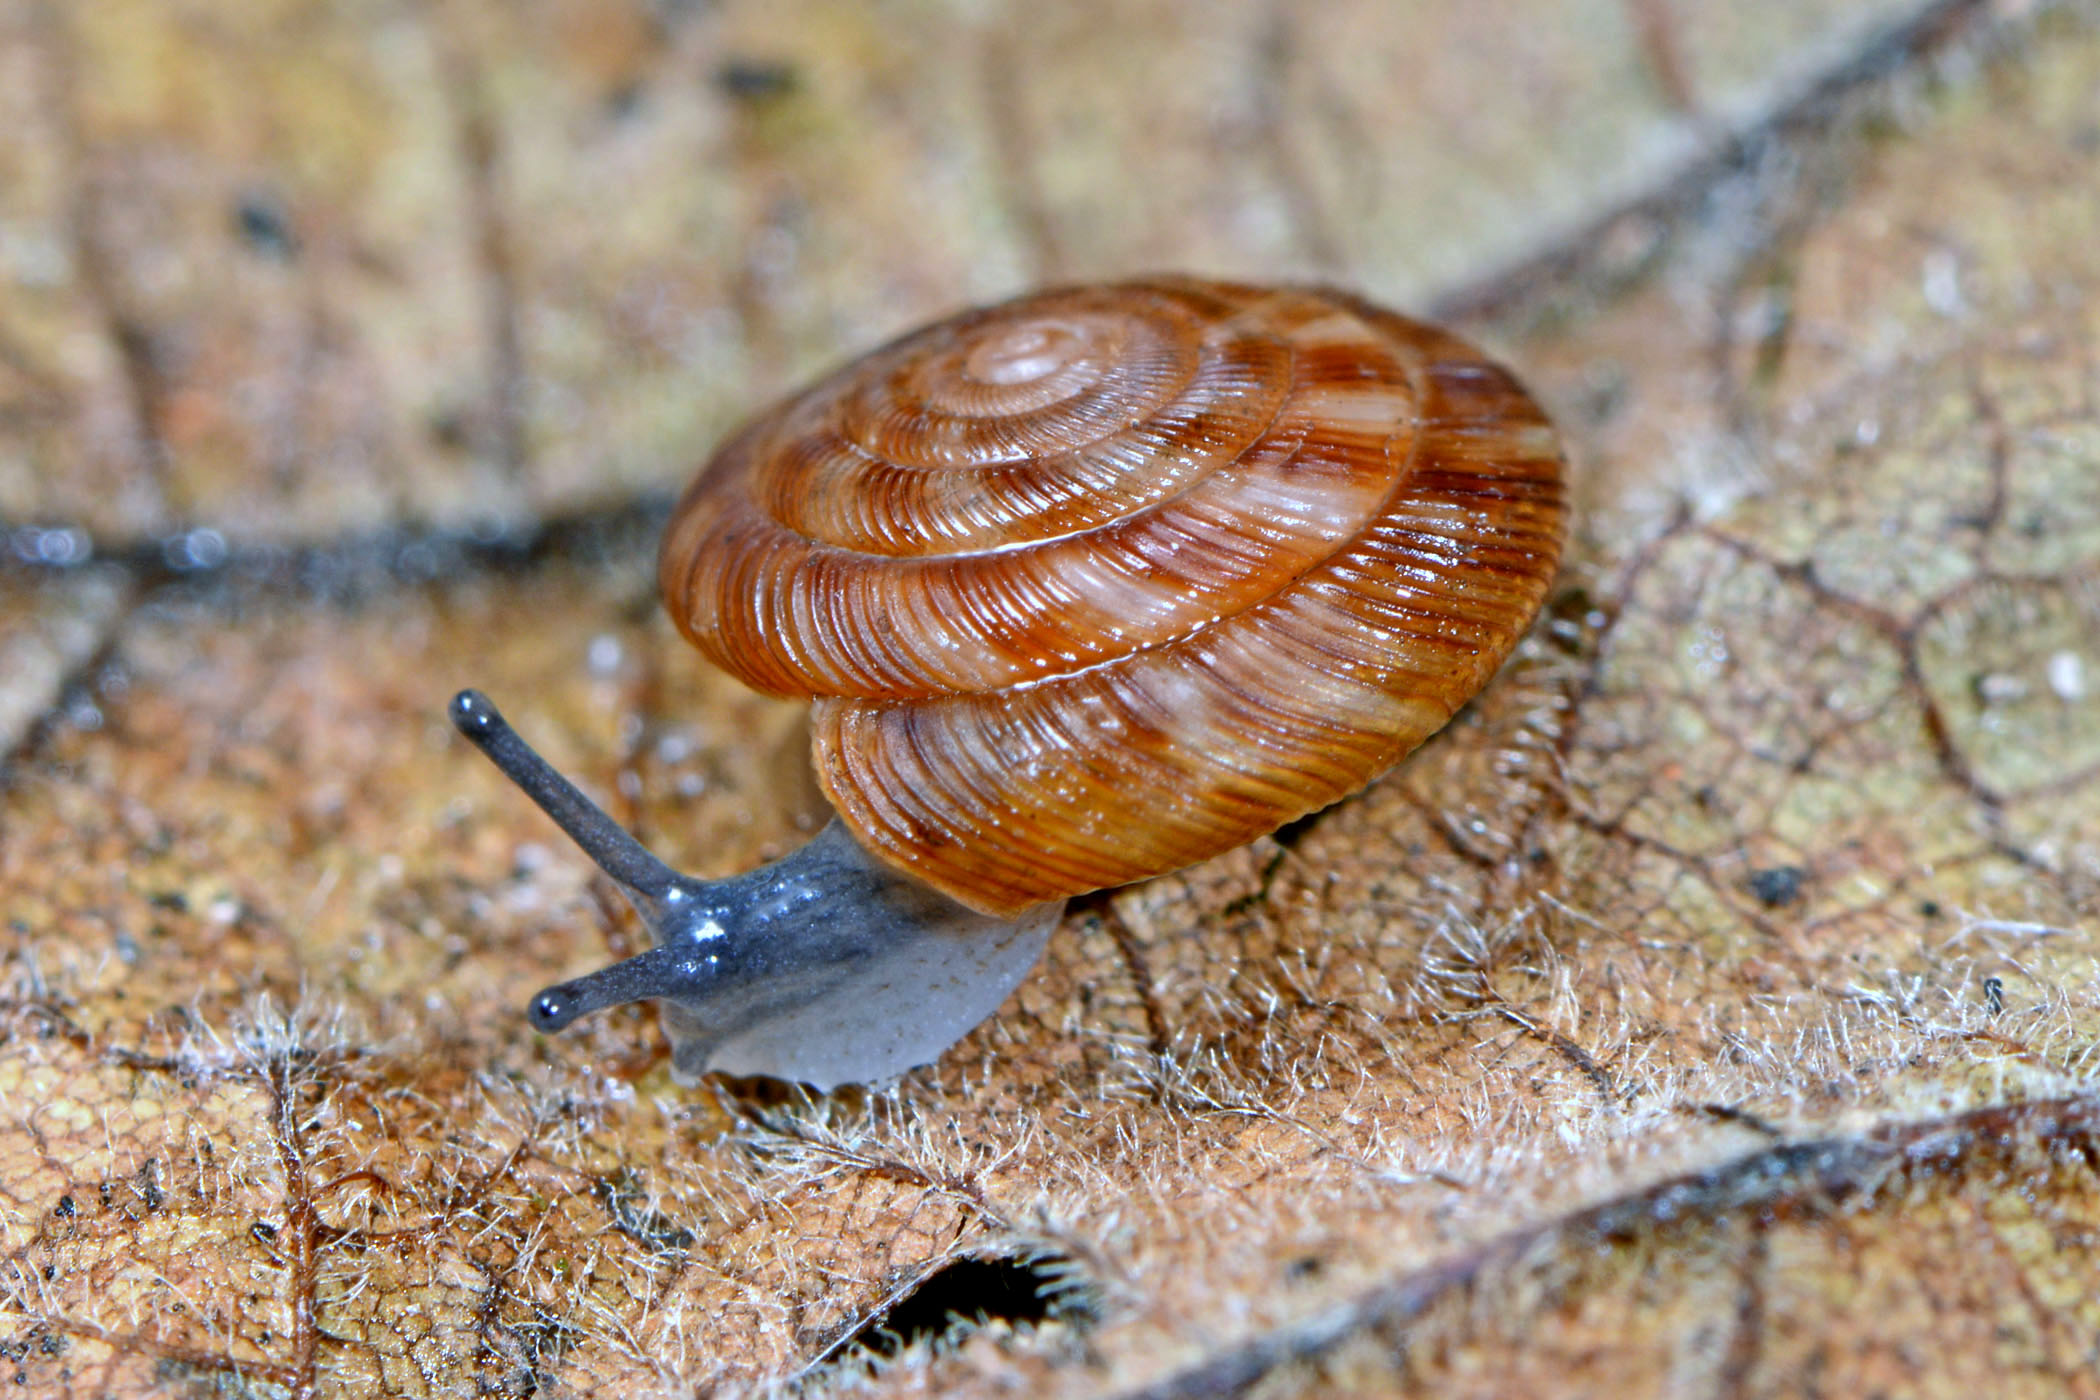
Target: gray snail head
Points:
(1083, 588)
(826, 967)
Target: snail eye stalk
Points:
(641, 875)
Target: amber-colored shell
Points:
(1107, 580)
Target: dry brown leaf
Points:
(1709, 1010)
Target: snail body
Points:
(1097, 584)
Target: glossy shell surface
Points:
(1106, 580)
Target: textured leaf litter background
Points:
(1710, 1011)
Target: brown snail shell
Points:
(1107, 580)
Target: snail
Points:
(1084, 588)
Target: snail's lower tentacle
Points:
(637, 979)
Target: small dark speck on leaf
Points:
(624, 102)
(64, 1210)
(1929, 908)
(263, 225)
(150, 1192)
(752, 79)
(1777, 886)
(1994, 994)
(448, 429)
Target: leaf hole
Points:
(967, 1295)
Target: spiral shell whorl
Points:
(1104, 581)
